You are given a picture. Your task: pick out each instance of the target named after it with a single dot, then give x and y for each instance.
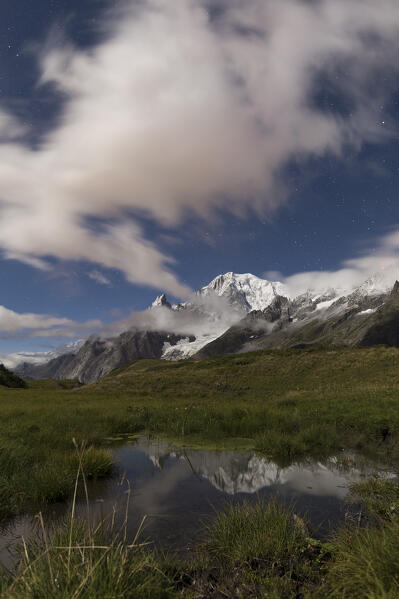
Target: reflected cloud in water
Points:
(179, 489)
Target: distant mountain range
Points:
(16, 359)
(235, 313)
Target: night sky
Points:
(293, 199)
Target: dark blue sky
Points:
(339, 204)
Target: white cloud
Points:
(13, 360)
(12, 321)
(26, 259)
(382, 262)
(175, 113)
(207, 315)
(14, 324)
(212, 315)
(99, 277)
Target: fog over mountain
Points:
(17, 358)
(233, 313)
(146, 145)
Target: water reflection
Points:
(178, 488)
(235, 472)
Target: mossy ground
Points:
(288, 404)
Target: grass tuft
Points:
(79, 563)
(260, 550)
(96, 463)
(265, 530)
(366, 563)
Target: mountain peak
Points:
(375, 284)
(245, 290)
(161, 300)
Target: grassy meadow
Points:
(287, 404)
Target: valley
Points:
(245, 429)
(272, 411)
(287, 404)
(199, 318)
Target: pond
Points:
(179, 490)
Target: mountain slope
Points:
(56, 368)
(223, 302)
(384, 323)
(97, 357)
(362, 318)
(237, 313)
(18, 360)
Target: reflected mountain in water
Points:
(175, 489)
(235, 472)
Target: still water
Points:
(179, 490)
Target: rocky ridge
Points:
(98, 357)
(261, 314)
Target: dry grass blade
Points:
(126, 512)
(40, 518)
(138, 533)
(74, 501)
(89, 573)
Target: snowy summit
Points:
(244, 290)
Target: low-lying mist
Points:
(200, 316)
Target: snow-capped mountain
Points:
(374, 285)
(248, 473)
(160, 301)
(365, 315)
(233, 313)
(246, 296)
(244, 291)
(224, 301)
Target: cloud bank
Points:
(183, 109)
(206, 316)
(14, 324)
(210, 315)
(381, 264)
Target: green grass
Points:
(365, 560)
(366, 563)
(379, 497)
(264, 530)
(288, 404)
(31, 479)
(249, 551)
(258, 550)
(77, 562)
(261, 550)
